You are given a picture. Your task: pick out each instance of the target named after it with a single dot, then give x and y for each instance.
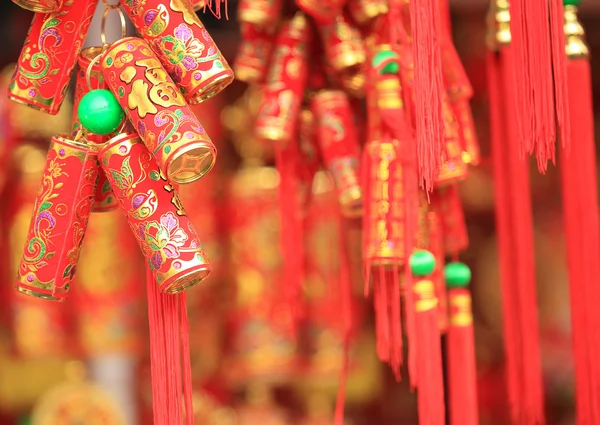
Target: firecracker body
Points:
(40, 6)
(337, 138)
(185, 48)
(448, 204)
(277, 119)
(262, 13)
(40, 329)
(453, 167)
(254, 53)
(60, 217)
(460, 92)
(322, 12)
(364, 11)
(343, 44)
(49, 55)
(155, 214)
(384, 232)
(158, 111)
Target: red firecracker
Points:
(158, 111)
(254, 53)
(183, 46)
(337, 139)
(261, 13)
(277, 119)
(46, 63)
(155, 214)
(60, 217)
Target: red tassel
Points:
(346, 302)
(428, 87)
(462, 371)
(582, 231)
(167, 317)
(539, 76)
(430, 395)
(515, 240)
(187, 361)
(291, 230)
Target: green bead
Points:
(422, 263)
(571, 2)
(99, 112)
(389, 59)
(457, 275)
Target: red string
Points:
(582, 232)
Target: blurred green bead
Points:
(571, 2)
(457, 275)
(422, 263)
(99, 112)
(391, 59)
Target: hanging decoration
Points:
(368, 95)
(139, 160)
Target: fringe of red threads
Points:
(515, 240)
(187, 361)
(539, 76)
(214, 6)
(428, 86)
(430, 392)
(410, 186)
(559, 67)
(346, 299)
(291, 232)
(582, 232)
(167, 317)
(462, 371)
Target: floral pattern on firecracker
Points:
(60, 217)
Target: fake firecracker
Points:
(134, 164)
(317, 67)
(318, 70)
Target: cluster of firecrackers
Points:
(316, 68)
(133, 140)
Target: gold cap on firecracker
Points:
(576, 47)
(498, 34)
(344, 45)
(354, 83)
(389, 93)
(40, 6)
(363, 11)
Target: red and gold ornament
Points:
(48, 58)
(158, 111)
(60, 217)
(286, 82)
(183, 46)
(155, 214)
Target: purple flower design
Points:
(164, 238)
(188, 49)
(141, 129)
